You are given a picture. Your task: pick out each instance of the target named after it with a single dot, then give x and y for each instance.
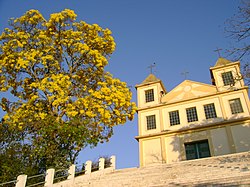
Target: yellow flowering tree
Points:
(63, 99)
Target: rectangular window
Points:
(195, 150)
(151, 122)
(191, 114)
(174, 118)
(235, 106)
(149, 95)
(227, 78)
(209, 110)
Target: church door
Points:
(195, 150)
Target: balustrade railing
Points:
(51, 177)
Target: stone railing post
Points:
(49, 177)
(101, 163)
(113, 162)
(88, 166)
(21, 181)
(71, 173)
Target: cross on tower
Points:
(218, 51)
(151, 67)
(184, 73)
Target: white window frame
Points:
(174, 118)
(151, 122)
(149, 95)
(210, 111)
(191, 114)
(235, 106)
(227, 78)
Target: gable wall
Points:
(225, 134)
(222, 108)
(229, 138)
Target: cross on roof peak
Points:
(218, 51)
(151, 67)
(185, 73)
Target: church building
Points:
(194, 120)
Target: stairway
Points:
(228, 170)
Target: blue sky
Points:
(177, 35)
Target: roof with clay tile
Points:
(150, 78)
(222, 62)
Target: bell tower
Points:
(226, 75)
(150, 92)
(149, 96)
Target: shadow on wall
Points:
(156, 158)
(238, 139)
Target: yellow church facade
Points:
(194, 120)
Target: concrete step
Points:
(206, 175)
(214, 171)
